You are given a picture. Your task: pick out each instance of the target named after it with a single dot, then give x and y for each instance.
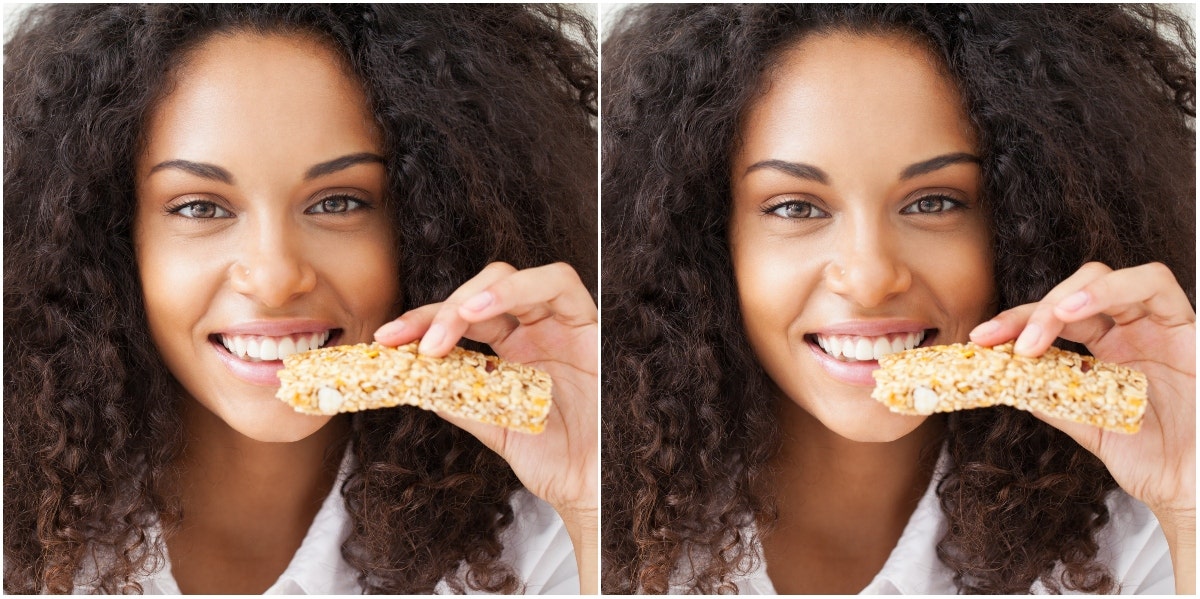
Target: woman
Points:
(193, 192)
(782, 180)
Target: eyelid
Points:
(177, 206)
(912, 201)
(813, 204)
(363, 203)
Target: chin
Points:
(877, 425)
(271, 422)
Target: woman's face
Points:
(261, 229)
(857, 226)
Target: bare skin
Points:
(834, 538)
(247, 505)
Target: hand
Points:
(543, 317)
(1138, 317)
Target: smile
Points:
(263, 348)
(854, 348)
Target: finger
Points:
(1043, 327)
(1004, 326)
(534, 294)
(408, 327)
(1129, 294)
(448, 326)
(1034, 325)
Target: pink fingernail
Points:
(390, 329)
(986, 328)
(479, 302)
(433, 338)
(1074, 302)
(1028, 339)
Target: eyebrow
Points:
(216, 173)
(812, 173)
(337, 164)
(937, 162)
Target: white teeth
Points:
(853, 348)
(863, 349)
(268, 349)
(256, 348)
(880, 348)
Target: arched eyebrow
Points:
(200, 169)
(801, 170)
(935, 163)
(216, 173)
(337, 164)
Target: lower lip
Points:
(853, 373)
(255, 373)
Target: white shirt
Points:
(536, 547)
(1132, 545)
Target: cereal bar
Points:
(350, 378)
(1060, 383)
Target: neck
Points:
(842, 504)
(248, 497)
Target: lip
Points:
(264, 373)
(278, 328)
(873, 328)
(859, 373)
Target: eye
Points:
(796, 210)
(933, 204)
(336, 204)
(200, 209)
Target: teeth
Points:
(254, 348)
(853, 348)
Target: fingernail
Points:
(1028, 339)
(1074, 302)
(479, 302)
(390, 329)
(986, 328)
(433, 338)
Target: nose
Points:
(867, 267)
(272, 267)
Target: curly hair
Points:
(487, 115)
(1085, 117)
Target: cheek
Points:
(365, 273)
(774, 281)
(177, 280)
(961, 274)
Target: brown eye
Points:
(336, 205)
(932, 205)
(797, 210)
(201, 210)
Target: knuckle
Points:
(1095, 267)
(564, 271)
(499, 266)
(1160, 270)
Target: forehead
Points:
(279, 95)
(842, 95)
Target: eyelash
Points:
(352, 204)
(909, 209)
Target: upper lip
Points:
(873, 328)
(278, 328)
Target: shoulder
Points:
(537, 547)
(1133, 546)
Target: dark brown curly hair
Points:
(1085, 122)
(488, 116)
